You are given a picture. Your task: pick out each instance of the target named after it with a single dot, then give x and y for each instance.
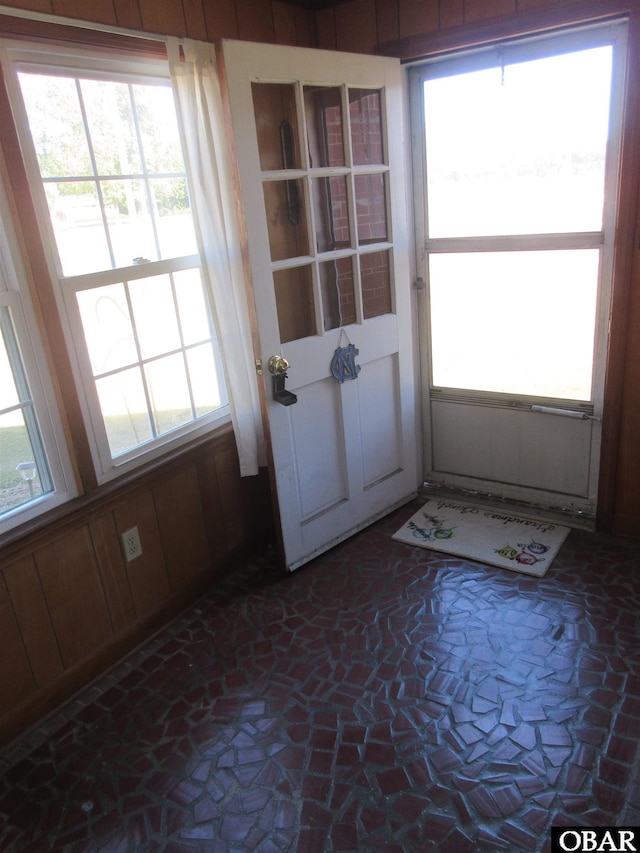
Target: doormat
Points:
(485, 534)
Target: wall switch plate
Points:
(131, 544)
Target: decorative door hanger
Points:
(343, 363)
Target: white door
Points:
(322, 183)
(515, 233)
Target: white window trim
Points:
(98, 64)
(107, 467)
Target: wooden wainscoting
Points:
(71, 605)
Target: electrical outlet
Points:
(131, 544)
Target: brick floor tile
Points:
(382, 698)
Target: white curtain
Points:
(200, 115)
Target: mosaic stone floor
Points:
(384, 698)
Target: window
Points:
(34, 473)
(102, 147)
(520, 167)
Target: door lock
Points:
(278, 366)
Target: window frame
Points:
(15, 296)
(97, 63)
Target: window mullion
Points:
(15, 359)
(145, 171)
(141, 362)
(40, 459)
(187, 374)
(94, 168)
(183, 346)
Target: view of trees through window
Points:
(114, 182)
(111, 163)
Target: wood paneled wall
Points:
(362, 25)
(70, 604)
(207, 20)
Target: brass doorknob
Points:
(278, 364)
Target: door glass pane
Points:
(286, 219)
(365, 113)
(338, 295)
(295, 303)
(375, 278)
(371, 208)
(323, 111)
(274, 106)
(519, 150)
(331, 212)
(514, 322)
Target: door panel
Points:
(379, 412)
(512, 447)
(322, 183)
(317, 422)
